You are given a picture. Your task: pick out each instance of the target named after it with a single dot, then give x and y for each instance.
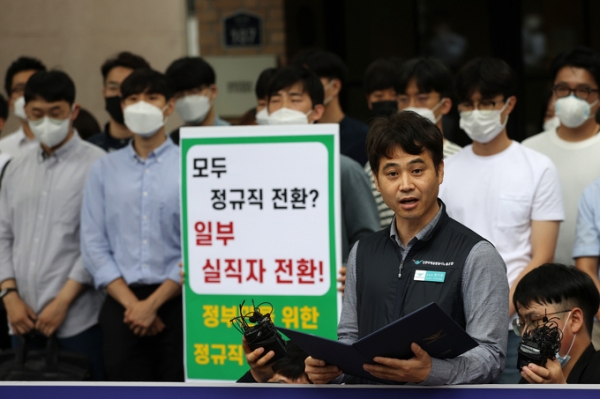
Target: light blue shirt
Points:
(587, 235)
(220, 122)
(130, 217)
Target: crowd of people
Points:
(90, 240)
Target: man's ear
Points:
(213, 92)
(2, 123)
(512, 100)
(446, 105)
(369, 103)
(317, 113)
(440, 172)
(75, 112)
(170, 107)
(376, 180)
(336, 87)
(576, 320)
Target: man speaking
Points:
(406, 156)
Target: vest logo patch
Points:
(431, 276)
(431, 263)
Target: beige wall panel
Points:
(76, 36)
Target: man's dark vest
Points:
(383, 296)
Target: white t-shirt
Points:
(498, 196)
(578, 165)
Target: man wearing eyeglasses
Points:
(505, 192)
(573, 146)
(567, 299)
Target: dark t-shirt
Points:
(353, 137)
(107, 142)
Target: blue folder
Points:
(430, 327)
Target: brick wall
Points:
(211, 12)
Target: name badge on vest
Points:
(429, 275)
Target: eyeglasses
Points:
(484, 106)
(582, 92)
(519, 325)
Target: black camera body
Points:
(539, 344)
(262, 334)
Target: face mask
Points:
(552, 123)
(564, 360)
(572, 111)
(328, 99)
(112, 105)
(426, 112)
(49, 131)
(262, 117)
(483, 127)
(193, 109)
(286, 116)
(20, 108)
(384, 109)
(143, 119)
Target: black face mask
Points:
(113, 107)
(384, 109)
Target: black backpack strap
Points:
(3, 171)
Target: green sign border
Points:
(194, 322)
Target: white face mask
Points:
(572, 111)
(194, 108)
(286, 116)
(143, 119)
(262, 117)
(484, 126)
(552, 124)
(426, 112)
(49, 131)
(20, 108)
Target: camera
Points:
(262, 332)
(539, 344)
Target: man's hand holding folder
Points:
(415, 369)
(402, 351)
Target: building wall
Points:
(76, 36)
(211, 12)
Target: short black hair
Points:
(579, 57)
(189, 73)
(50, 86)
(3, 107)
(407, 130)
(262, 84)
(19, 65)
(290, 75)
(146, 81)
(324, 63)
(292, 364)
(123, 59)
(489, 76)
(430, 75)
(553, 283)
(382, 74)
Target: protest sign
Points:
(260, 221)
